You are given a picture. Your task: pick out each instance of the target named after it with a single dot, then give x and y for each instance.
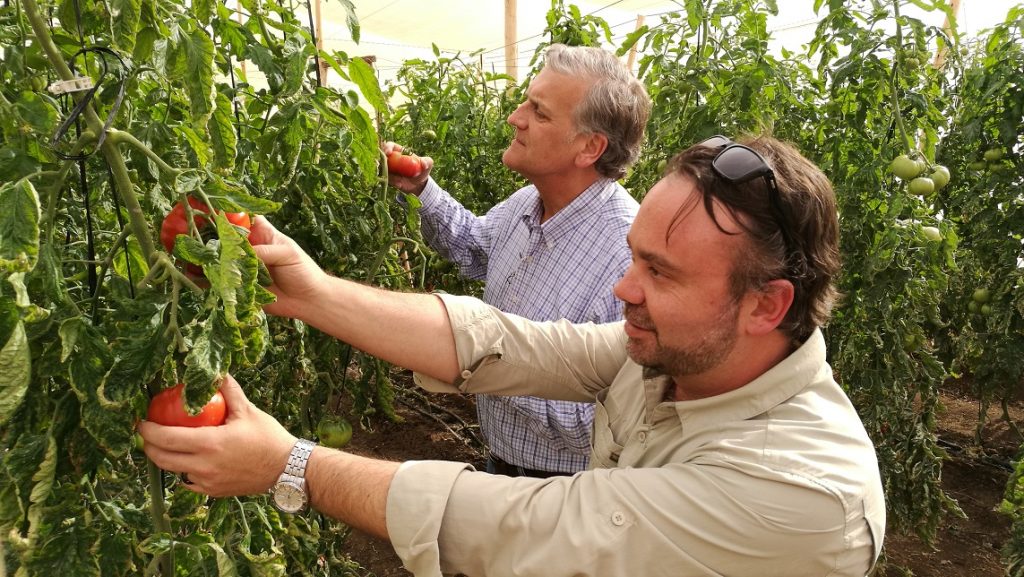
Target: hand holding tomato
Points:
(168, 408)
(407, 173)
(297, 279)
(243, 456)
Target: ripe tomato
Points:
(175, 223)
(404, 165)
(168, 408)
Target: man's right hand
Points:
(408, 184)
(297, 279)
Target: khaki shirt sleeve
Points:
(504, 354)
(693, 519)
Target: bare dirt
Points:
(444, 427)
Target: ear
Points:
(594, 145)
(765, 309)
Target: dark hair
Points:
(808, 211)
(616, 104)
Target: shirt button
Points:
(642, 436)
(618, 519)
(466, 374)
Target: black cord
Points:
(316, 51)
(84, 102)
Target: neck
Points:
(558, 190)
(743, 365)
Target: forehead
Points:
(552, 87)
(695, 240)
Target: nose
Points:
(627, 289)
(517, 117)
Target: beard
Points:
(712, 345)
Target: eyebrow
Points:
(655, 259)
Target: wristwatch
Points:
(289, 494)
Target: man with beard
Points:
(722, 444)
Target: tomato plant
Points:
(168, 408)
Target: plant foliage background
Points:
(95, 316)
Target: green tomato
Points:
(904, 167)
(931, 233)
(922, 186)
(997, 168)
(986, 310)
(940, 176)
(978, 165)
(973, 307)
(428, 135)
(981, 295)
(993, 155)
(334, 432)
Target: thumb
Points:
(262, 232)
(234, 397)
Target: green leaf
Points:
(225, 565)
(19, 226)
(191, 63)
(222, 133)
(363, 76)
(365, 149)
(15, 370)
(125, 17)
(87, 355)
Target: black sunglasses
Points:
(738, 163)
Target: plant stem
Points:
(157, 511)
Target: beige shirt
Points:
(775, 478)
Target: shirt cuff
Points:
(416, 504)
(430, 197)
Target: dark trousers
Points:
(498, 467)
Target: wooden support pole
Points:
(511, 48)
(940, 56)
(632, 51)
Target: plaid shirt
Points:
(563, 268)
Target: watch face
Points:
(289, 497)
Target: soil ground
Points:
(443, 427)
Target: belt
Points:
(502, 468)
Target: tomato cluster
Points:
(924, 178)
(176, 221)
(168, 408)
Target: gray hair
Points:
(616, 104)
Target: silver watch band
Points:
(296, 465)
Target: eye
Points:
(653, 271)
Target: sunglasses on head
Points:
(737, 163)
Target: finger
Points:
(234, 396)
(262, 232)
(426, 163)
(274, 254)
(391, 147)
(173, 439)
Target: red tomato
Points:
(175, 223)
(168, 408)
(404, 165)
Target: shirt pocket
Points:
(604, 450)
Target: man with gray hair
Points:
(554, 248)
